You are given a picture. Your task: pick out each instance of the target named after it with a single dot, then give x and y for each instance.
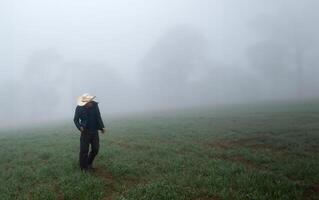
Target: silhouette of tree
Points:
(172, 64)
(290, 38)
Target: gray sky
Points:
(121, 32)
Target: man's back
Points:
(88, 117)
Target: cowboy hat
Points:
(84, 99)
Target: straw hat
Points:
(84, 99)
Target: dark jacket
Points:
(88, 117)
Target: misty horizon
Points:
(147, 55)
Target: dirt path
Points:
(115, 186)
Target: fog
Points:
(146, 55)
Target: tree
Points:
(39, 86)
(171, 64)
(290, 40)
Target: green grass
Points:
(236, 152)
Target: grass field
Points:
(236, 152)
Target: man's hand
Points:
(81, 129)
(103, 130)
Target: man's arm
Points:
(99, 118)
(76, 118)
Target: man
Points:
(88, 120)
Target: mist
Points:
(151, 55)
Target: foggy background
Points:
(139, 55)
